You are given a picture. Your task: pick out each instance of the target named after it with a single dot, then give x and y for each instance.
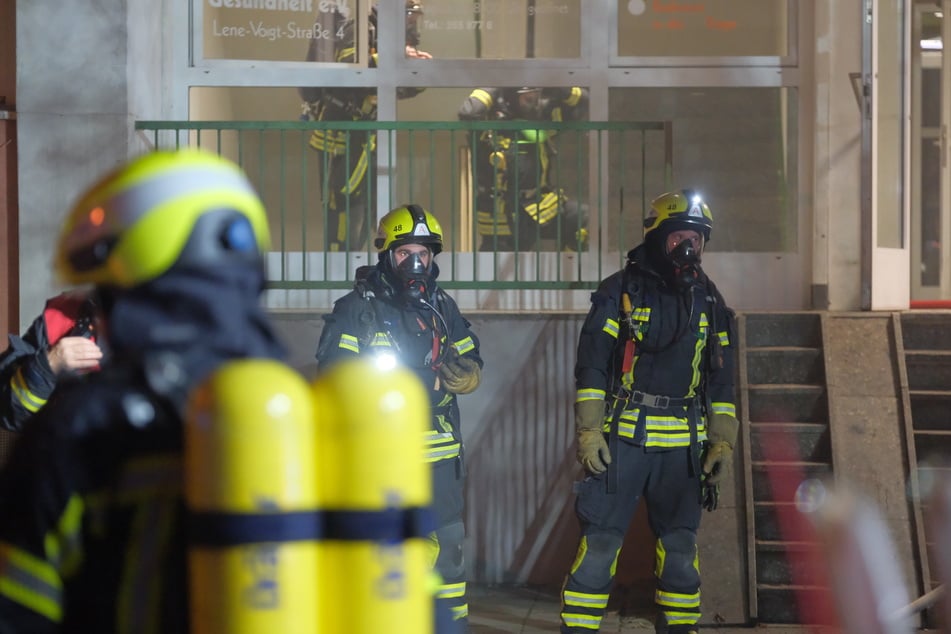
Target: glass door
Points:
(931, 173)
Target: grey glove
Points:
(593, 452)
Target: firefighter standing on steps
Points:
(655, 414)
(398, 309)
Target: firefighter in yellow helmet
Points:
(91, 530)
(398, 309)
(655, 414)
(346, 159)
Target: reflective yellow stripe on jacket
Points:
(31, 582)
(30, 401)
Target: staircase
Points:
(785, 402)
(925, 346)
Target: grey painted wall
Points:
(81, 84)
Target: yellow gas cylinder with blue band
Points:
(375, 574)
(251, 493)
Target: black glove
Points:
(709, 494)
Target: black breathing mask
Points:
(685, 259)
(415, 276)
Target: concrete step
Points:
(809, 441)
(770, 330)
(929, 370)
(788, 403)
(785, 365)
(926, 331)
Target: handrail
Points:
(612, 169)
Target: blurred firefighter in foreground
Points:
(519, 200)
(347, 159)
(91, 529)
(655, 414)
(398, 309)
(62, 340)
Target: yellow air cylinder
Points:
(251, 493)
(375, 574)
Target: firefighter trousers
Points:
(448, 481)
(671, 491)
(347, 188)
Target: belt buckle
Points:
(661, 402)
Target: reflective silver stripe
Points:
(465, 345)
(349, 342)
(589, 394)
(435, 455)
(586, 621)
(677, 600)
(131, 204)
(31, 582)
(451, 591)
(580, 599)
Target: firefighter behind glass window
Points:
(655, 414)
(398, 309)
(347, 158)
(92, 536)
(518, 201)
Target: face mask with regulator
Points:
(685, 258)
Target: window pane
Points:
(714, 28)
(293, 30)
(889, 122)
(279, 30)
(501, 29)
(737, 146)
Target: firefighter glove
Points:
(721, 436)
(460, 375)
(593, 452)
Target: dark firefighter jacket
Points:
(513, 168)
(371, 320)
(684, 347)
(92, 534)
(343, 104)
(26, 379)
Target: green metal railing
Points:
(612, 169)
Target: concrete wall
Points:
(81, 83)
(837, 138)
